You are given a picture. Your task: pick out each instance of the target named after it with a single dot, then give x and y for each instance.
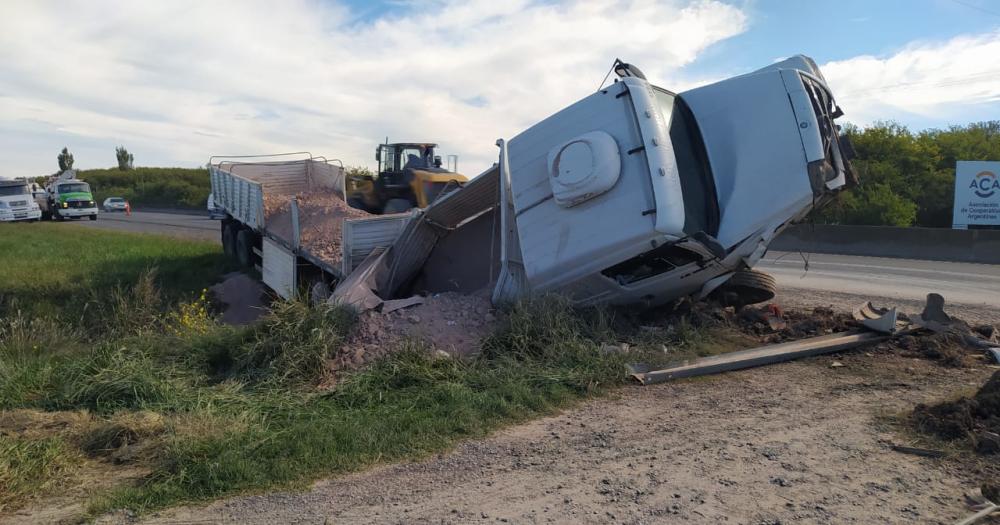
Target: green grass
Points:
(30, 466)
(153, 187)
(51, 269)
(212, 410)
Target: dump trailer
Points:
(634, 195)
(284, 215)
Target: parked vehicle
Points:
(70, 197)
(409, 176)
(17, 202)
(114, 204)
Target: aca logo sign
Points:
(985, 184)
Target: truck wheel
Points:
(748, 287)
(228, 239)
(93, 217)
(397, 206)
(244, 247)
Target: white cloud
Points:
(945, 80)
(178, 81)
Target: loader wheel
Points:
(244, 247)
(228, 239)
(397, 206)
(748, 287)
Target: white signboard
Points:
(977, 194)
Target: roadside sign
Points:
(977, 194)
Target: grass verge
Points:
(210, 410)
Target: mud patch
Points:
(976, 418)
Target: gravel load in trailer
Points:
(284, 214)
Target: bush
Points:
(151, 187)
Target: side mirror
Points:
(378, 154)
(437, 161)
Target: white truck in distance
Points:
(17, 202)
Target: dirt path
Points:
(798, 442)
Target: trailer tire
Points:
(748, 287)
(244, 247)
(397, 206)
(229, 239)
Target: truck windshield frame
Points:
(74, 187)
(14, 190)
(701, 205)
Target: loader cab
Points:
(393, 159)
(409, 176)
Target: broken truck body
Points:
(633, 194)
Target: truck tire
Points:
(93, 217)
(749, 287)
(229, 239)
(244, 247)
(397, 206)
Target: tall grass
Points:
(212, 410)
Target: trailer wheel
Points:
(748, 287)
(244, 247)
(229, 239)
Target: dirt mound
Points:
(321, 222)
(977, 417)
(449, 322)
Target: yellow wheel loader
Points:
(409, 176)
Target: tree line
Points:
(908, 178)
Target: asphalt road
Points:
(878, 277)
(174, 224)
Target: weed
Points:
(30, 466)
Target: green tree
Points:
(65, 160)
(909, 178)
(125, 158)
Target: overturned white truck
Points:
(633, 195)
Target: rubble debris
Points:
(449, 322)
(879, 319)
(976, 418)
(321, 222)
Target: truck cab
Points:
(636, 194)
(71, 198)
(17, 202)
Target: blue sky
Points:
(178, 81)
